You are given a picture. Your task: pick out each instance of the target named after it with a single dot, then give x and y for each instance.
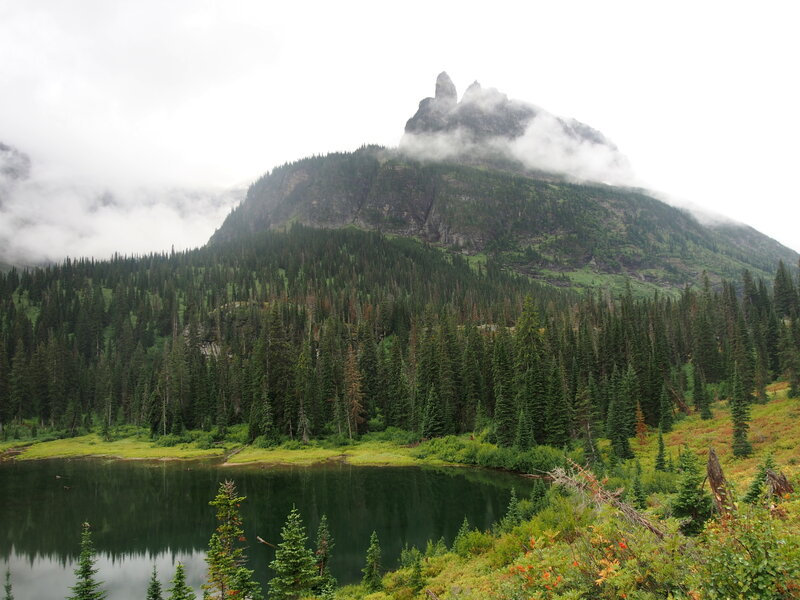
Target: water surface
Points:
(157, 513)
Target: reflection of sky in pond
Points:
(50, 578)
(145, 512)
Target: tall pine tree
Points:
(86, 587)
(227, 574)
(294, 565)
(740, 415)
(180, 590)
(372, 569)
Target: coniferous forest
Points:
(311, 333)
(304, 334)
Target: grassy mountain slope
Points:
(550, 229)
(567, 547)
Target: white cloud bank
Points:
(47, 217)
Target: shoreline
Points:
(363, 453)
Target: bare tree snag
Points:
(778, 484)
(723, 501)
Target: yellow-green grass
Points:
(775, 427)
(371, 453)
(9, 444)
(94, 445)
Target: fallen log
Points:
(589, 486)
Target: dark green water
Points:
(146, 513)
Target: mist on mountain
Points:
(487, 126)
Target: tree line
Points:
(310, 333)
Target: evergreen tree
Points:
(399, 409)
(523, 439)
(666, 416)
(700, 396)
(740, 415)
(661, 463)
(513, 516)
(617, 430)
(756, 489)
(294, 565)
(227, 574)
(504, 417)
(86, 587)
(691, 503)
(8, 594)
(784, 292)
(372, 569)
(463, 531)
(267, 424)
(354, 397)
(629, 397)
(180, 590)
(322, 554)
(432, 421)
(154, 587)
(416, 581)
(637, 493)
(558, 412)
(790, 358)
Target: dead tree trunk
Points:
(778, 484)
(723, 501)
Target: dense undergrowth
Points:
(562, 545)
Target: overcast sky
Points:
(139, 99)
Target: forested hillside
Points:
(309, 333)
(542, 226)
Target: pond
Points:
(157, 513)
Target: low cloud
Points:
(45, 216)
(486, 125)
(548, 145)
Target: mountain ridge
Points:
(543, 228)
(491, 175)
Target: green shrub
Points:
(391, 434)
(750, 556)
(171, 439)
(472, 543)
(204, 441)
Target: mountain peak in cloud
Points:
(13, 163)
(487, 125)
(446, 94)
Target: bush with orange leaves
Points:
(608, 559)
